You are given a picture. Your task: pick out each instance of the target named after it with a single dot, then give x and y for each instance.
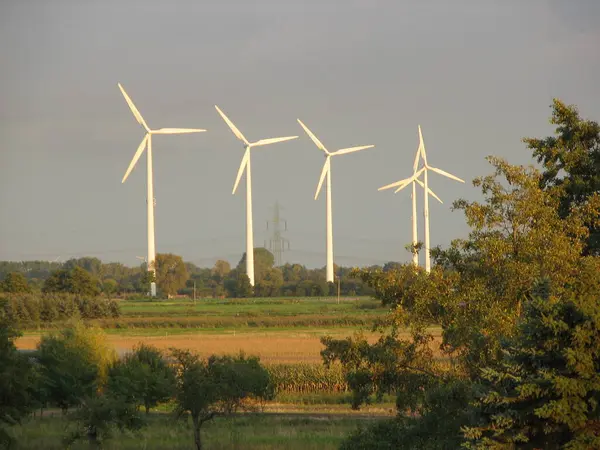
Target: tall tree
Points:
(546, 391)
(171, 273)
(571, 161)
(74, 281)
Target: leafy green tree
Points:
(271, 283)
(90, 264)
(263, 263)
(74, 364)
(109, 287)
(238, 284)
(546, 391)
(97, 416)
(171, 273)
(18, 381)
(15, 282)
(74, 281)
(219, 385)
(571, 161)
(143, 377)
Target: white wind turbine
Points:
(150, 201)
(327, 171)
(414, 179)
(402, 184)
(245, 165)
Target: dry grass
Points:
(272, 347)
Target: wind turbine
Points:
(402, 184)
(245, 165)
(327, 172)
(150, 201)
(414, 179)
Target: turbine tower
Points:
(413, 180)
(245, 165)
(150, 201)
(327, 172)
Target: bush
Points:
(32, 310)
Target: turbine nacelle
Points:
(149, 132)
(328, 154)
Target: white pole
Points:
(414, 223)
(426, 214)
(329, 270)
(150, 202)
(249, 233)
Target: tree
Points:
(109, 287)
(74, 281)
(238, 284)
(90, 264)
(15, 282)
(97, 416)
(571, 161)
(263, 262)
(271, 283)
(475, 293)
(171, 273)
(18, 382)
(74, 364)
(219, 385)
(143, 377)
(220, 270)
(546, 392)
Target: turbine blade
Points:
(422, 146)
(402, 182)
(272, 140)
(243, 165)
(446, 174)
(323, 173)
(313, 137)
(177, 130)
(391, 185)
(134, 110)
(351, 150)
(416, 163)
(137, 155)
(237, 132)
(430, 191)
(403, 186)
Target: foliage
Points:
(29, 310)
(73, 281)
(571, 161)
(98, 415)
(18, 381)
(143, 377)
(219, 385)
(546, 390)
(475, 293)
(171, 273)
(14, 283)
(73, 364)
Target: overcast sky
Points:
(477, 75)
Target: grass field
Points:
(246, 431)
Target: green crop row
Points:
(307, 378)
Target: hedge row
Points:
(31, 310)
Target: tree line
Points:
(89, 276)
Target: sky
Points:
(478, 76)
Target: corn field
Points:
(307, 378)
